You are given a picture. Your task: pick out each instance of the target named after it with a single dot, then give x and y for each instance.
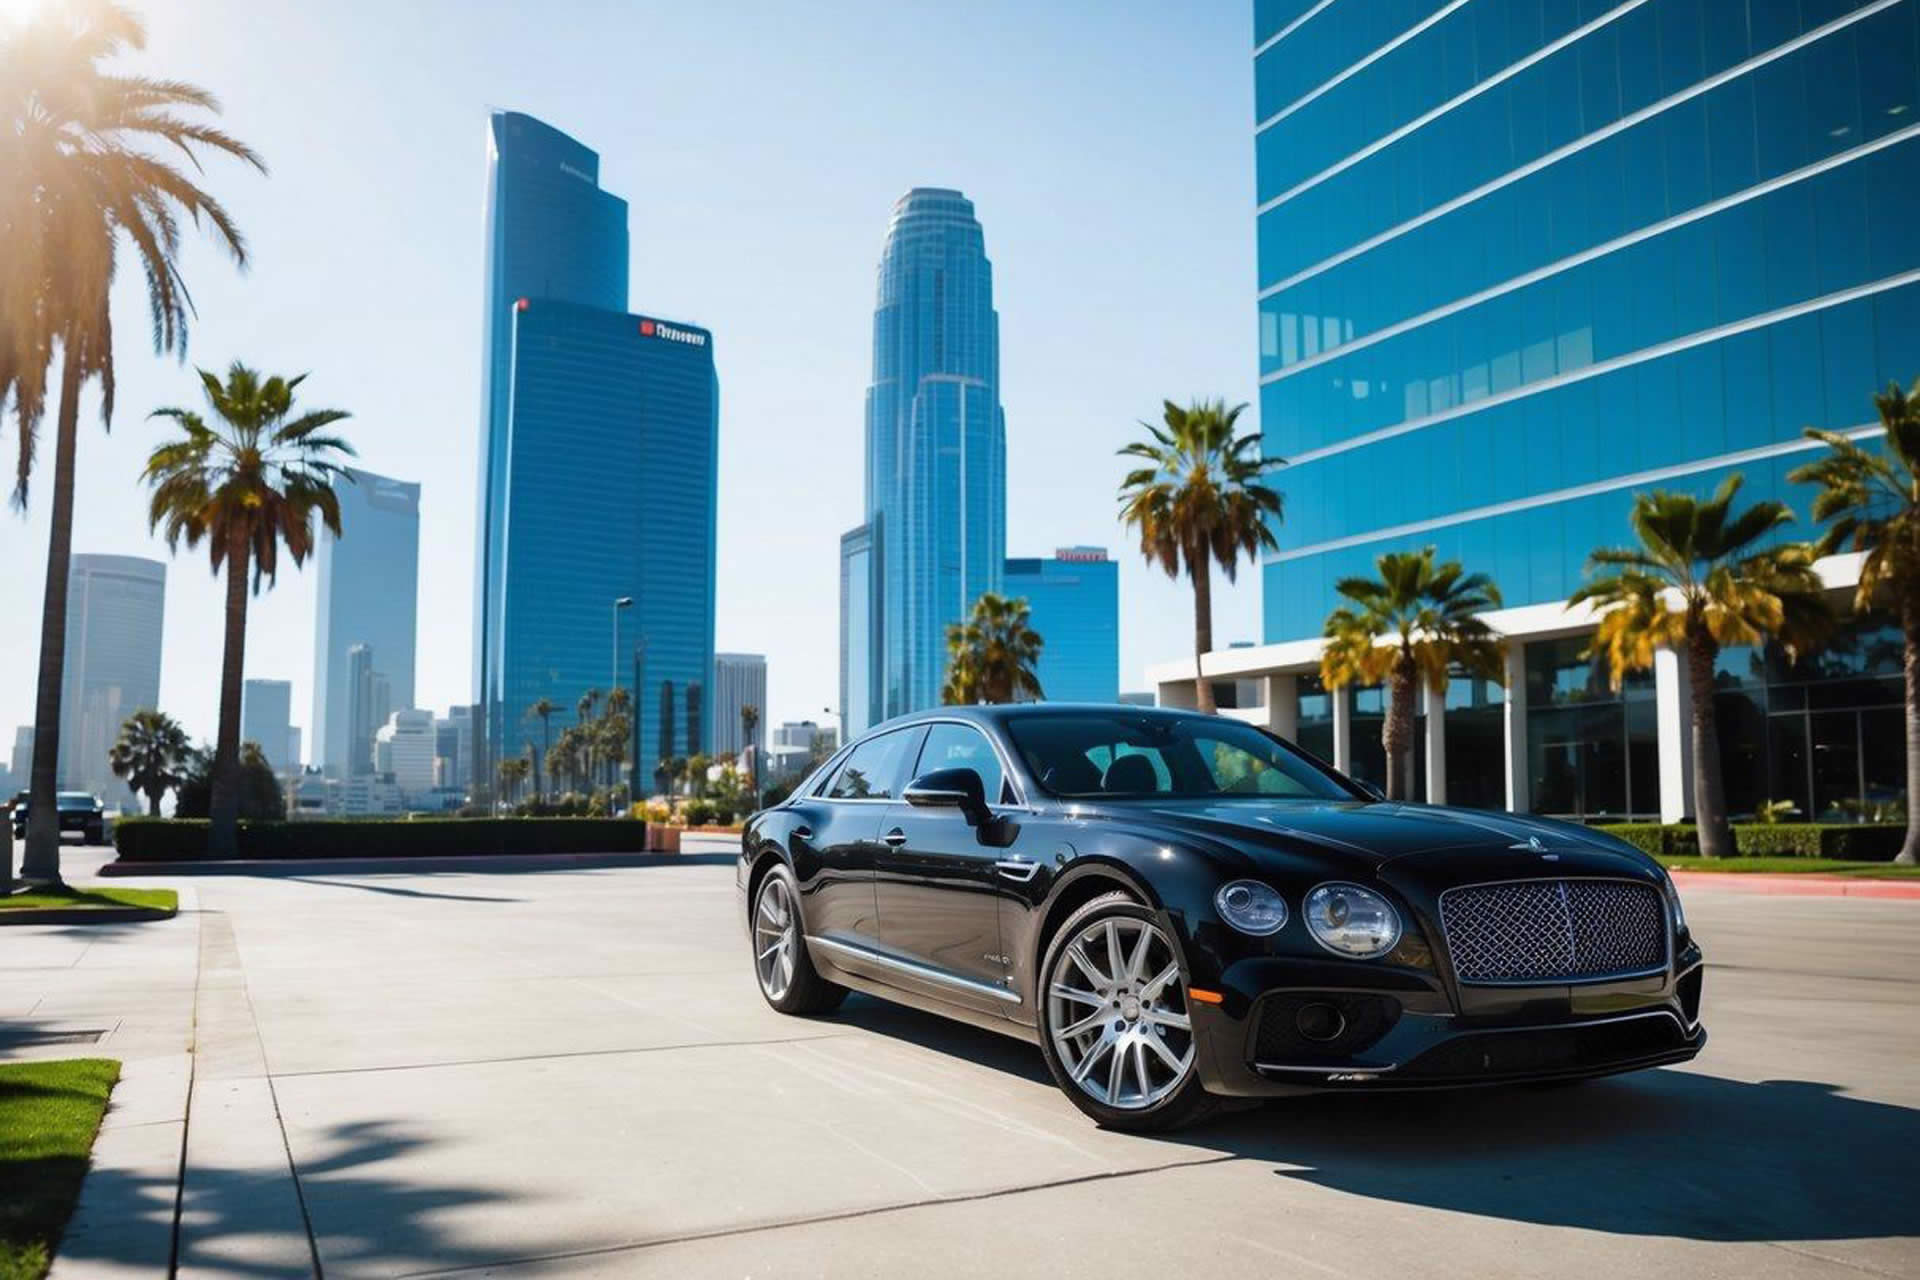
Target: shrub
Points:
(697, 813)
(185, 840)
(1858, 841)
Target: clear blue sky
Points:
(760, 144)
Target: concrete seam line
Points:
(847, 1215)
(545, 1057)
(186, 1112)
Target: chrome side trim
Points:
(1017, 869)
(913, 968)
(1347, 1073)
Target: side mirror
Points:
(959, 788)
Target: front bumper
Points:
(1409, 1034)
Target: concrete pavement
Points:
(570, 1073)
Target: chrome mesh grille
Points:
(1553, 930)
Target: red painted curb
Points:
(1809, 885)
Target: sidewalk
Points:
(1797, 884)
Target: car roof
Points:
(1001, 713)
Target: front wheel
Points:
(780, 961)
(1114, 1020)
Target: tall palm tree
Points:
(84, 150)
(990, 657)
(1413, 623)
(151, 755)
(1201, 500)
(544, 709)
(1871, 501)
(1699, 580)
(585, 710)
(246, 480)
(513, 771)
(749, 721)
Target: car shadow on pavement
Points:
(1656, 1153)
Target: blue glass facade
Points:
(1073, 601)
(367, 588)
(599, 450)
(936, 489)
(1519, 258)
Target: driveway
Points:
(571, 1073)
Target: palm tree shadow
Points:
(1657, 1153)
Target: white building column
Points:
(1436, 745)
(1673, 711)
(1283, 705)
(1178, 693)
(1342, 729)
(1514, 724)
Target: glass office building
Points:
(1519, 259)
(936, 473)
(367, 587)
(266, 719)
(1073, 601)
(116, 608)
(599, 459)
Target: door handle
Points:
(1017, 869)
(895, 837)
(803, 833)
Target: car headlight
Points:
(1251, 907)
(1350, 921)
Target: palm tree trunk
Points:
(1709, 801)
(1200, 569)
(223, 833)
(153, 803)
(1910, 626)
(546, 758)
(41, 859)
(1396, 732)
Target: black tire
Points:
(1188, 1103)
(774, 914)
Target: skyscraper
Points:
(115, 610)
(368, 583)
(599, 465)
(365, 715)
(1518, 262)
(266, 713)
(1073, 601)
(936, 483)
(739, 680)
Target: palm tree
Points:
(990, 658)
(1700, 580)
(1872, 501)
(80, 147)
(252, 479)
(585, 709)
(512, 772)
(1413, 623)
(1200, 501)
(151, 754)
(749, 721)
(544, 709)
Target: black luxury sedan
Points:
(1179, 908)
(79, 811)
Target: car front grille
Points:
(1553, 930)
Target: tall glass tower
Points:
(367, 587)
(936, 480)
(1073, 601)
(115, 609)
(599, 457)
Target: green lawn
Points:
(1817, 866)
(49, 1112)
(92, 896)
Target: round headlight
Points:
(1350, 921)
(1251, 907)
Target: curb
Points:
(1803, 885)
(453, 862)
(82, 915)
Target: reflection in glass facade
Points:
(1525, 256)
(598, 468)
(1073, 601)
(366, 593)
(936, 484)
(115, 609)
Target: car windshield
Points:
(1117, 753)
(74, 800)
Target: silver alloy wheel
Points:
(776, 931)
(1118, 1015)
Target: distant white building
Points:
(406, 747)
(368, 794)
(739, 680)
(796, 744)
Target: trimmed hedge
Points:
(185, 840)
(1861, 842)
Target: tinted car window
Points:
(959, 746)
(1118, 754)
(873, 769)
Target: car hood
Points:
(1368, 835)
